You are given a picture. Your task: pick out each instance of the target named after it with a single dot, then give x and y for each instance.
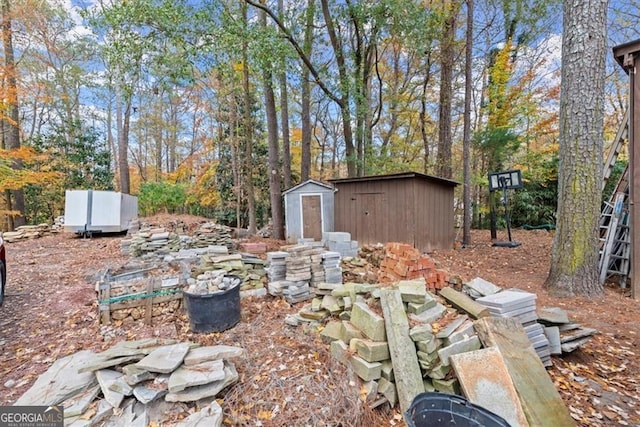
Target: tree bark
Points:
(305, 163)
(11, 118)
(248, 133)
(446, 91)
(574, 260)
(284, 114)
(275, 193)
(466, 138)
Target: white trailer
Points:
(92, 211)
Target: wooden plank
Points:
(406, 369)
(463, 302)
(105, 308)
(540, 400)
(148, 310)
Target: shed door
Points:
(372, 217)
(312, 217)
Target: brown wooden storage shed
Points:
(405, 207)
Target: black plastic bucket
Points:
(440, 409)
(215, 312)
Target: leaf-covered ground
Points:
(288, 376)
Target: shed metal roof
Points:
(309, 181)
(401, 175)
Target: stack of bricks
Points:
(402, 261)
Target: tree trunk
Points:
(305, 163)
(574, 260)
(284, 112)
(345, 96)
(466, 139)
(446, 91)
(11, 116)
(123, 149)
(248, 131)
(275, 192)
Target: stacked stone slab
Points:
(211, 233)
(360, 338)
(152, 242)
(129, 383)
(338, 241)
(331, 267)
(28, 232)
(280, 271)
(521, 306)
(402, 261)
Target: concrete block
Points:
(446, 386)
(388, 390)
(423, 332)
(387, 370)
(371, 351)
(336, 236)
(340, 351)
(467, 344)
(431, 315)
(464, 331)
(349, 332)
(439, 372)
(368, 321)
(367, 371)
(331, 332)
(413, 291)
(429, 346)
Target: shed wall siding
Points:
(409, 210)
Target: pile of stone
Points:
(521, 306)
(358, 270)
(297, 271)
(362, 338)
(563, 334)
(212, 282)
(402, 261)
(248, 268)
(339, 241)
(137, 383)
(372, 327)
(211, 233)
(151, 242)
(27, 232)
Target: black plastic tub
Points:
(441, 409)
(215, 312)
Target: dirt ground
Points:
(288, 377)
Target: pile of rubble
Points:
(160, 241)
(29, 232)
(371, 326)
(402, 261)
(138, 383)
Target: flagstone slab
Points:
(208, 390)
(61, 381)
(164, 359)
(213, 352)
(194, 375)
(106, 378)
(209, 416)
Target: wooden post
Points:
(628, 56)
